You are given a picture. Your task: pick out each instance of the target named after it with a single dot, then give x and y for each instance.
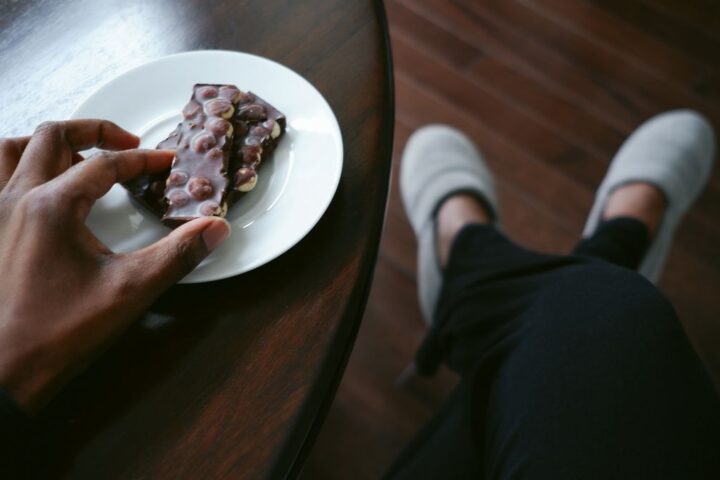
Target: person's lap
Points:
(572, 367)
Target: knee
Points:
(610, 303)
(604, 284)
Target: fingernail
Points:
(165, 151)
(216, 233)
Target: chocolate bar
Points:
(258, 128)
(197, 184)
(219, 149)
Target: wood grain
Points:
(227, 379)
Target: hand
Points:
(64, 296)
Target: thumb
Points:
(168, 260)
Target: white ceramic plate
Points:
(294, 188)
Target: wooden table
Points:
(227, 379)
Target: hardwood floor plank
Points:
(535, 60)
(631, 44)
(708, 205)
(554, 110)
(528, 93)
(508, 120)
(655, 92)
(440, 41)
(700, 14)
(692, 284)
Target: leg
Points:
(622, 241)
(511, 277)
(571, 366)
(448, 446)
(591, 376)
(630, 218)
(601, 383)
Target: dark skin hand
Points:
(64, 296)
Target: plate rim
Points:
(336, 130)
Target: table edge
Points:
(289, 462)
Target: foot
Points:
(454, 213)
(673, 151)
(642, 201)
(437, 161)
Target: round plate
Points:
(294, 187)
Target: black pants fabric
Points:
(573, 367)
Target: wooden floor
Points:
(548, 89)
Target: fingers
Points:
(10, 151)
(18, 144)
(50, 150)
(89, 180)
(164, 263)
(89, 133)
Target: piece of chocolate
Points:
(198, 183)
(149, 191)
(258, 128)
(225, 136)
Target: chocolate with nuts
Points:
(258, 128)
(197, 183)
(225, 136)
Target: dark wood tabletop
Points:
(227, 379)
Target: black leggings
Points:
(573, 367)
